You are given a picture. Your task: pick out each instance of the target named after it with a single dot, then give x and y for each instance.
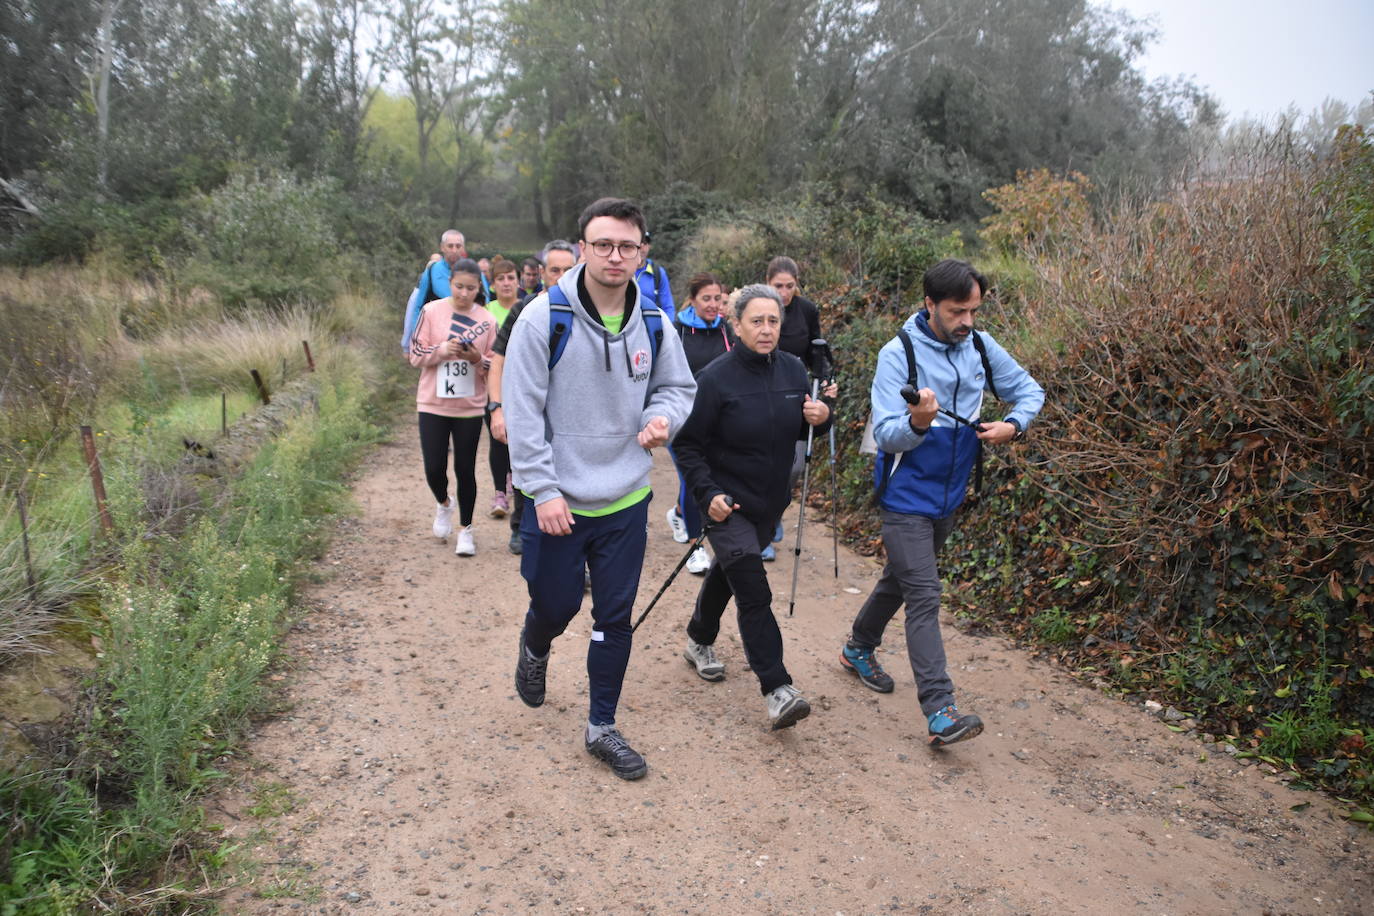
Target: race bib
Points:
(456, 379)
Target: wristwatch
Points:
(1020, 433)
(492, 406)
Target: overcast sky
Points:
(1258, 56)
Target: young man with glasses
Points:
(590, 386)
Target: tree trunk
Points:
(104, 62)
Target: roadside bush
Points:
(266, 240)
(1195, 497)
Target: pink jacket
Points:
(452, 387)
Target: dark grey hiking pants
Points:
(911, 577)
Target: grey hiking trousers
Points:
(911, 577)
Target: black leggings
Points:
(498, 456)
(435, 432)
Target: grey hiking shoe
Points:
(709, 668)
(787, 707)
(609, 745)
(530, 671)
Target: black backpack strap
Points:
(982, 349)
(888, 466)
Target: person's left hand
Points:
(654, 433)
(830, 390)
(997, 432)
(815, 412)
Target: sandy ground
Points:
(417, 781)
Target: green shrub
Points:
(266, 240)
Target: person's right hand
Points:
(554, 516)
(923, 411)
(720, 508)
(449, 348)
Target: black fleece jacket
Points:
(801, 324)
(739, 437)
(701, 345)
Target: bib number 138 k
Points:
(456, 379)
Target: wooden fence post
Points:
(262, 386)
(97, 479)
(28, 558)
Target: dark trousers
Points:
(435, 434)
(498, 459)
(737, 571)
(611, 547)
(911, 577)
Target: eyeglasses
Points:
(628, 250)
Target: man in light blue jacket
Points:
(929, 439)
(594, 378)
(434, 281)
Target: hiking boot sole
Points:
(792, 714)
(880, 686)
(963, 734)
(628, 773)
(705, 676)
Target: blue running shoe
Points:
(947, 726)
(777, 533)
(769, 553)
(864, 663)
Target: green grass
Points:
(190, 621)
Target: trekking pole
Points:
(834, 524)
(801, 506)
(706, 526)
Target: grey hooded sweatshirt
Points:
(572, 429)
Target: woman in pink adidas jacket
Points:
(452, 349)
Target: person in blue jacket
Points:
(926, 452)
(653, 282)
(434, 281)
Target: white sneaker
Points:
(443, 520)
(466, 547)
(699, 561)
(709, 668)
(678, 526)
(787, 707)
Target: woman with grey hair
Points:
(735, 452)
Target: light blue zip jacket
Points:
(927, 474)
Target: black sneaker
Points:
(624, 760)
(529, 675)
(864, 663)
(515, 545)
(948, 726)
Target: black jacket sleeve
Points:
(693, 442)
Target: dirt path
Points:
(421, 782)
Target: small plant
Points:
(1054, 625)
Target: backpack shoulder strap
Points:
(560, 324)
(653, 321)
(910, 349)
(987, 366)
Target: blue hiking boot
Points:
(864, 663)
(947, 726)
(769, 553)
(778, 532)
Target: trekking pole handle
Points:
(910, 395)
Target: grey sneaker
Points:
(612, 747)
(787, 707)
(530, 671)
(709, 668)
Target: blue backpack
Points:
(561, 322)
